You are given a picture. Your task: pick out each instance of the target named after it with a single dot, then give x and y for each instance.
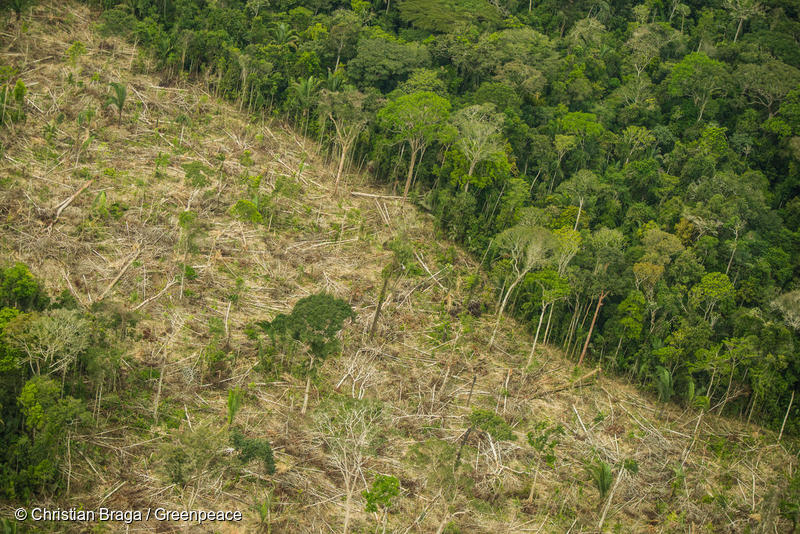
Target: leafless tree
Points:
(347, 428)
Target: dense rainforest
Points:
(651, 152)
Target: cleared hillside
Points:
(177, 298)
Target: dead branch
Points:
(572, 385)
(370, 195)
(63, 205)
(119, 275)
(154, 297)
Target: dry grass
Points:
(317, 242)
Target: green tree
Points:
(582, 188)
(418, 119)
(607, 245)
(601, 475)
(634, 140)
(383, 61)
(713, 288)
(304, 92)
(742, 10)
(18, 6)
(767, 84)
(700, 78)
(384, 489)
(525, 247)
(20, 289)
(478, 136)
(645, 45)
(314, 324)
(51, 420)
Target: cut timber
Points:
(61, 207)
(154, 297)
(576, 384)
(119, 275)
(72, 289)
(370, 195)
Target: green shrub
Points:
(602, 476)
(492, 424)
(12, 103)
(253, 449)
(384, 488)
(195, 174)
(246, 211)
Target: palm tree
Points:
(304, 90)
(284, 35)
(117, 98)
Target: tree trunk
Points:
(728, 389)
(752, 408)
(305, 395)
(533, 486)
(502, 308)
(738, 29)
(341, 168)
(591, 326)
(469, 174)
(347, 502)
(445, 520)
(461, 447)
(788, 408)
(733, 252)
(570, 329)
(702, 109)
(378, 309)
(410, 173)
(536, 337)
(616, 353)
(578, 218)
(547, 328)
(608, 503)
(694, 438)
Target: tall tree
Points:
(345, 110)
(304, 90)
(607, 245)
(418, 119)
(766, 84)
(554, 287)
(525, 247)
(478, 135)
(700, 78)
(742, 10)
(314, 323)
(582, 188)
